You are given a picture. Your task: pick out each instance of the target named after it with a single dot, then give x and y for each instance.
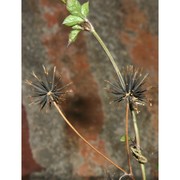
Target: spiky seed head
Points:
(47, 89)
(133, 91)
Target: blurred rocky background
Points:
(50, 150)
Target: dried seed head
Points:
(48, 89)
(133, 90)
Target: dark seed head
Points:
(133, 91)
(47, 89)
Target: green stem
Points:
(138, 142)
(143, 170)
(92, 30)
(136, 128)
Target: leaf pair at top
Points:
(78, 15)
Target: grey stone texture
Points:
(52, 146)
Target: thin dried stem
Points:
(72, 127)
(127, 139)
(138, 142)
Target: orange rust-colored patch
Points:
(85, 170)
(134, 19)
(91, 157)
(145, 52)
(98, 159)
(52, 20)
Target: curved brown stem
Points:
(72, 127)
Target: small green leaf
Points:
(123, 138)
(77, 27)
(85, 9)
(74, 7)
(73, 36)
(72, 20)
